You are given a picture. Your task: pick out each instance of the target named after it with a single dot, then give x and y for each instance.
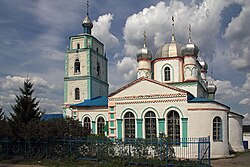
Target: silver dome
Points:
(211, 88)
(204, 65)
(87, 22)
(172, 49)
(190, 49)
(144, 53)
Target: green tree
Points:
(25, 110)
(5, 129)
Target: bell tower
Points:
(85, 66)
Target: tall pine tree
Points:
(25, 110)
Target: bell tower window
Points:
(98, 68)
(77, 66)
(77, 94)
(167, 74)
(78, 46)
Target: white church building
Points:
(170, 96)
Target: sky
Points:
(34, 35)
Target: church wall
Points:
(82, 56)
(140, 109)
(200, 119)
(96, 58)
(175, 67)
(235, 133)
(72, 85)
(99, 88)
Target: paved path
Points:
(241, 160)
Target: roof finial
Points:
(173, 37)
(87, 4)
(190, 31)
(145, 38)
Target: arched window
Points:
(78, 46)
(173, 126)
(77, 94)
(129, 120)
(100, 125)
(167, 74)
(86, 123)
(217, 129)
(98, 68)
(77, 66)
(150, 124)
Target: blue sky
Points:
(34, 35)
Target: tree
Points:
(25, 110)
(4, 130)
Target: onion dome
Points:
(190, 48)
(87, 25)
(204, 65)
(211, 88)
(172, 49)
(144, 53)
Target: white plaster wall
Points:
(200, 124)
(97, 45)
(235, 133)
(93, 114)
(82, 56)
(99, 89)
(162, 109)
(145, 87)
(103, 67)
(192, 88)
(75, 41)
(176, 67)
(83, 87)
(144, 64)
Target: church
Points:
(171, 95)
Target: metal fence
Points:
(145, 152)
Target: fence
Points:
(146, 152)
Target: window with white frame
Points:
(129, 124)
(217, 129)
(167, 74)
(173, 125)
(150, 125)
(100, 126)
(87, 123)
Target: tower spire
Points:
(190, 31)
(173, 37)
(145, 38)
(87, 5)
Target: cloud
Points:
(156, 20)
(246, 120)
(246, 85)
(128, 68)
(237, 35)
(101, 30)
(9, 87)
(245, 101)
(226, 90)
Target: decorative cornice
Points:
(213, 109)
(167, 58)
(152, 101)
(148, 96)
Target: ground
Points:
(240, 160)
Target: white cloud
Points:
(238, 36)
(246, 120)
(101, 30)
(225, 89)
(127, 67)
(246, 85)
(245, 101)
(156, 20)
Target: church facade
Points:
(171, 95)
